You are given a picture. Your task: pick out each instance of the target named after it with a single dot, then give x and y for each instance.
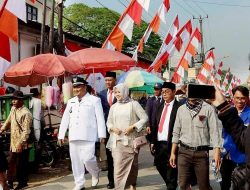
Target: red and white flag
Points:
(153, 26)
(175, 44)
(232, 84)
(8, 18)
(125, 24)
(218, 75)
(185, 61)
(5, 56)
(205, 75)
(170, 35)
(226, 81)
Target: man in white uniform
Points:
(84, 118)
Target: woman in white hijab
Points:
(126, 119)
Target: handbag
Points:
(138, 142)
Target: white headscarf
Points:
(124, 90)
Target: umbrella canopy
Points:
(39, 69)
(139, 78)
(99, 60)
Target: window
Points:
(31, 13)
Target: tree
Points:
(95, 24)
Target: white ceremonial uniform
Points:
(86, 124)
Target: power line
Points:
(105, 7)
(190, 7)
(223, 4)
(94, 35)
(187, 11)
(199, 7)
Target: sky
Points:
(227, 27)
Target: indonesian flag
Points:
(176, 43)
(125, 24)
(205, 75)
(190, 51)
(218, 75)
(71, 47)
(170, 35)
(5, 56)
(153, 26)
(232, 84)
(226, 80)
(13, 10)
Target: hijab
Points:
(124, 91)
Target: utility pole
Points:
(51, 32)
(60, 29)
(42, 49)
(202, 54)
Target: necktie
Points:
(163, 117)
(158, 100)
(110, 97)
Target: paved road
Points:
(148, 178)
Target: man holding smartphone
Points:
(196, 122)
(233, 157)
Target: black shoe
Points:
(111, 186)
(21, 186)
(10, 185)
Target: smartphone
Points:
(201, 91)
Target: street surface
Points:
(148, 179)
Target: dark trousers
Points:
(199, 161)
(18, 167)
(110, 166)
(226, 169)
(168, 173)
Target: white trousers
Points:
(82, 154)
(37, 128)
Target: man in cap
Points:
(19, 121)
(151, 105)
(83, 117)
(196, 129)
(162, 134)
(108, 99)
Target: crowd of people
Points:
(180, 133)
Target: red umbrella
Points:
(100, 60)
(39, 69)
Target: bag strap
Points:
(18, 124)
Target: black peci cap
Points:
(169, 85)
(34, 91)
(111, 74)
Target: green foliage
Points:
(97, 23)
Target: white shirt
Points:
(163, 136)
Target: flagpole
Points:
(3, 7)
